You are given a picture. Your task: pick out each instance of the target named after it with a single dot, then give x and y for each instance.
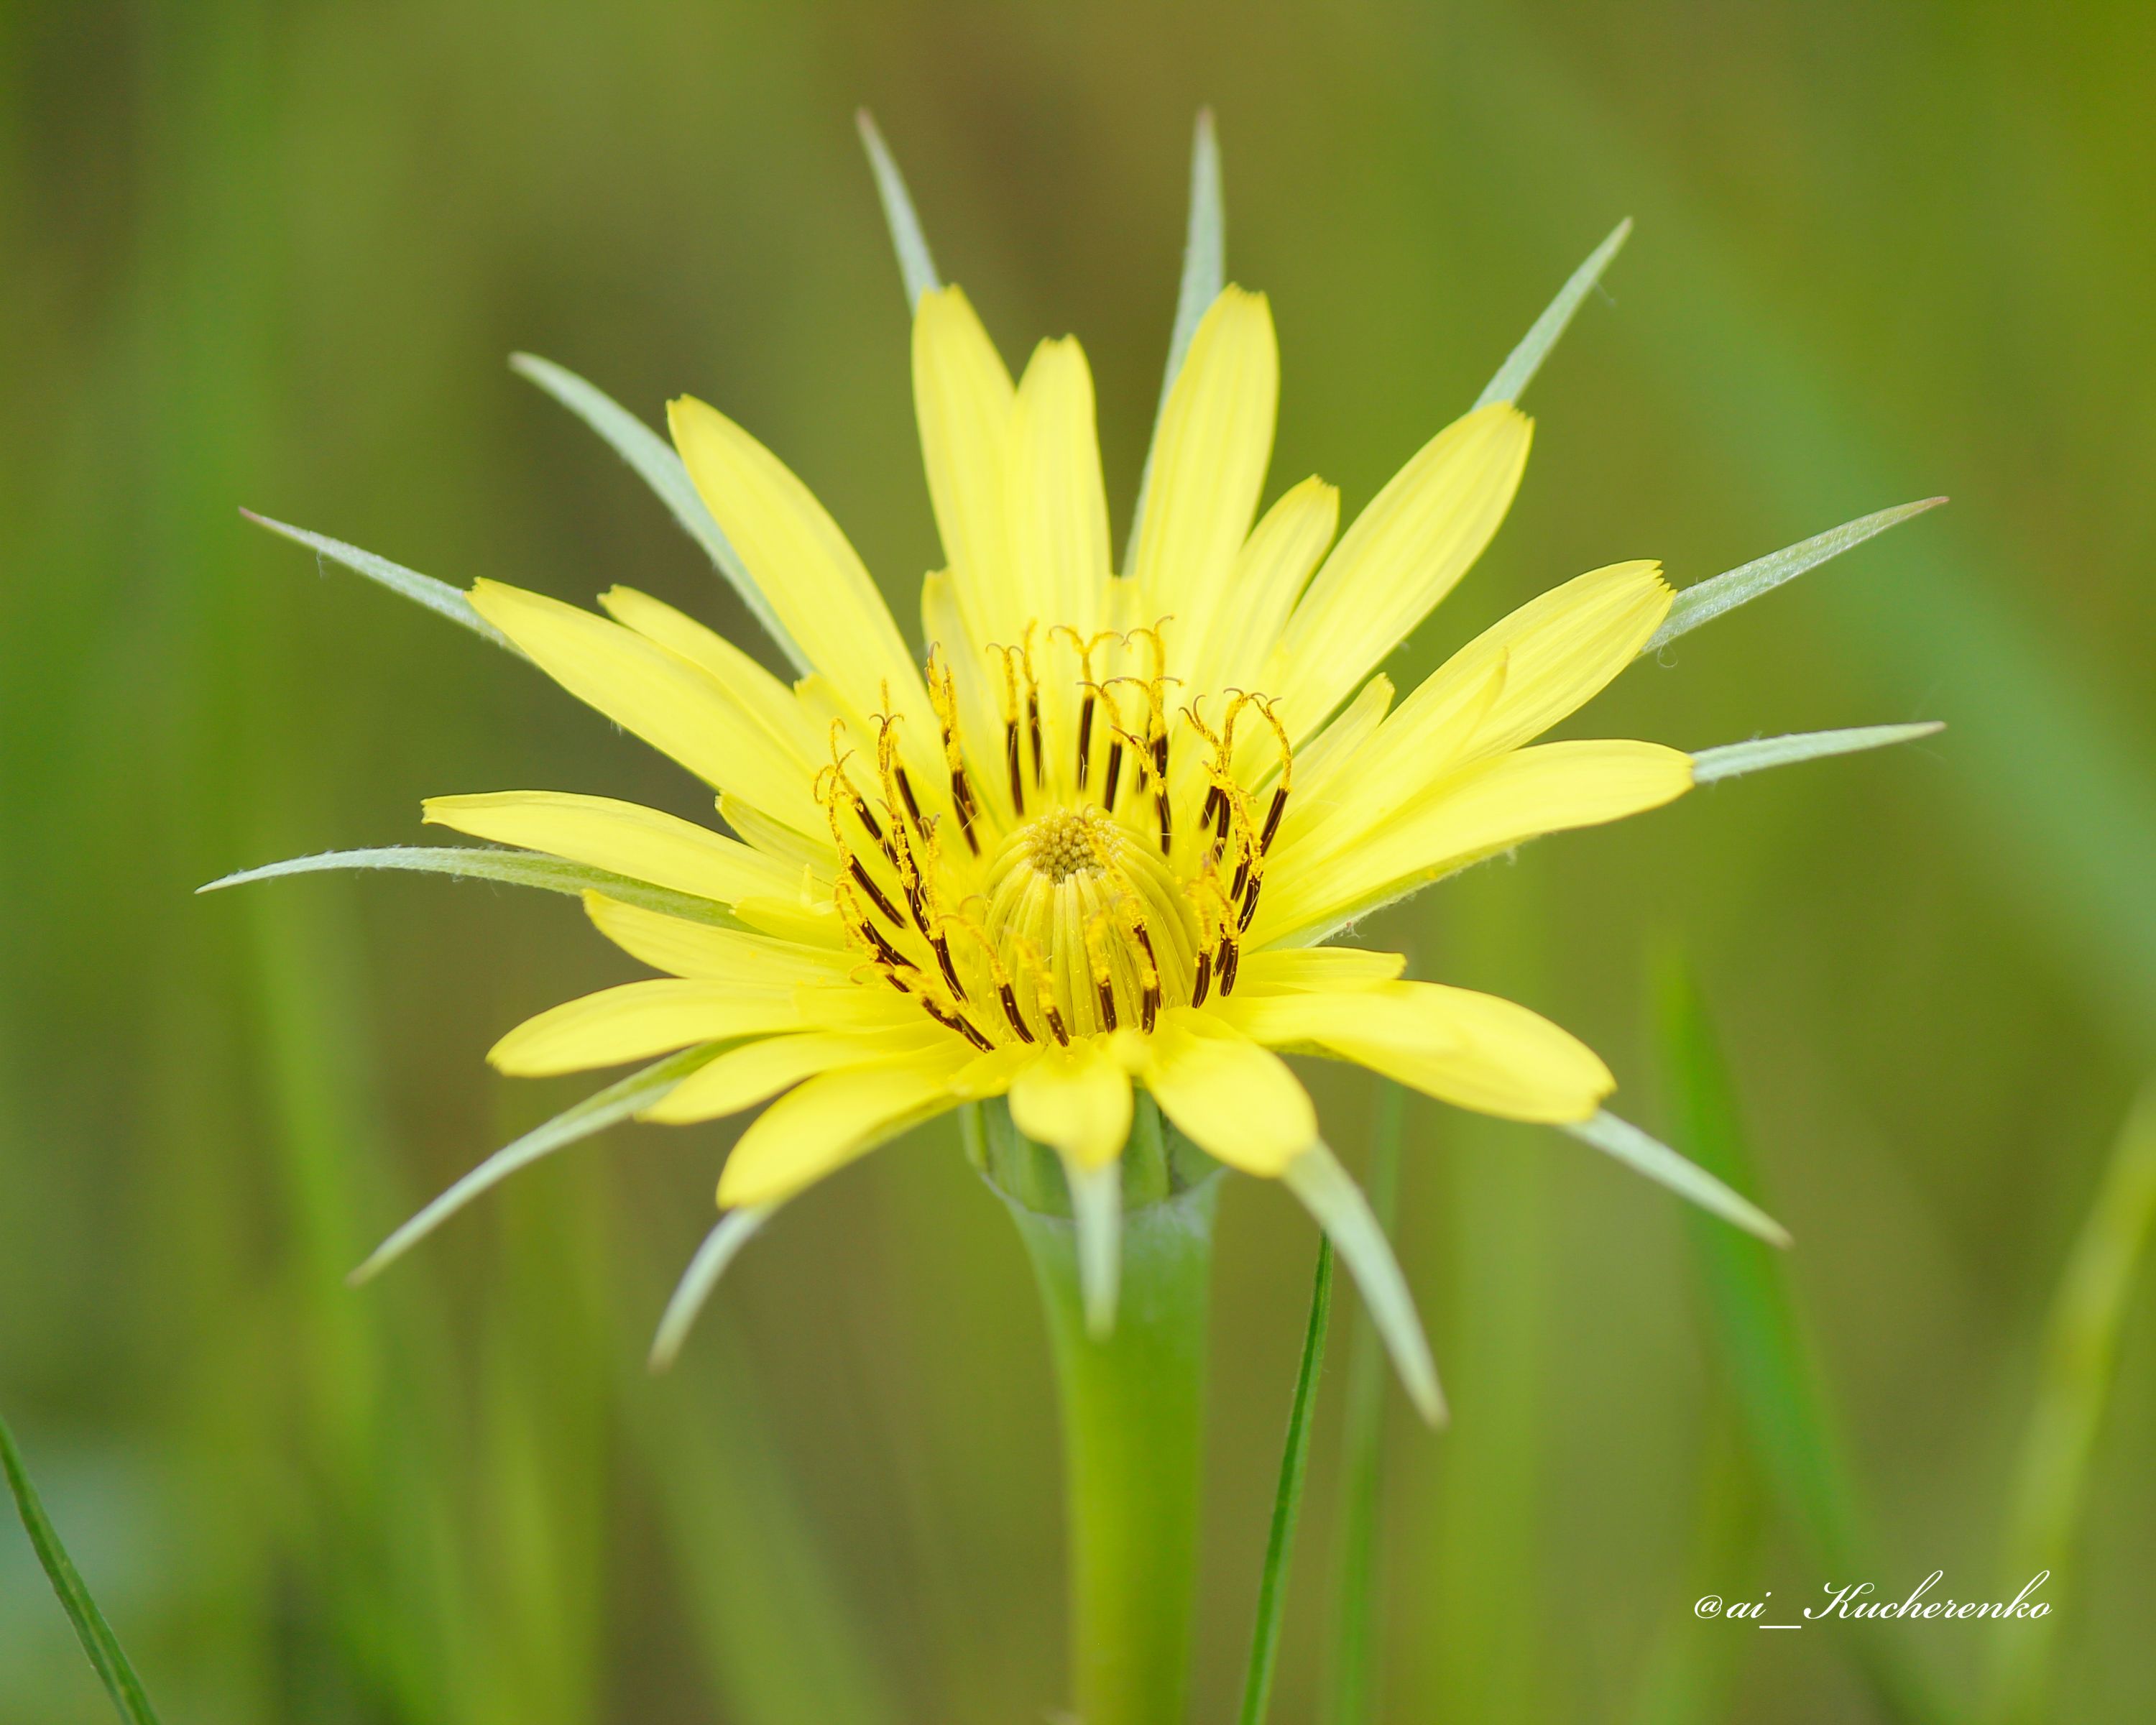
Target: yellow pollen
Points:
(1062, 844)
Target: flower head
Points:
(1103, 833)
(1093, 836)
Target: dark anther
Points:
(943, 962)
(1107, 993)
(875, 892)
(905, 795)
(1273, 818)
(1011, 761)
(1250, 906)
(1204, 980)
(1011, 1012)
(1033, 725)
(1055, 1024)
(962, 799)
(1084, 738)
(1230, 956)
(1115, 772)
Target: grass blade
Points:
(1524, 360)
(1351, 1655)
(1692, 1671)
(1751, 1312)
(1287, 1501)
(1706, 600)
(436, 596)
(1204, 273)
(1664, 1167)
(98, 1640)
(915, 267)
(655, 463)
(1735, 758)
(2074, 1383)
(512, 867)
(779, 1639)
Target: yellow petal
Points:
(1075, 1100)
(1209, 463)
(636, 1021)
(1271, 571)
(853, 1007)
(1297, 970)
(808, 922)
(1475, 1051)
(781, 843)
(622, 838)
(743, 1077)
(975, 671)
(833, 1118)
(963, 400)
(1327, 767)
(769, 701)
(1405, 552)
(1485, 808)
(1230, 1097)
(1058, 510)
(991, 1074)
(677, 707)
(699, 950)
(804, 565)
(1507, 686)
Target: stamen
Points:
(1084, 648)
(1204, 981)
(1279, 806)
(875, 892)
(1012, 760)
(1230, 955)
(1149, 973)
(1010, 996)
(957, 1021)
(943, 696)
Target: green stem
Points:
(1132, 1404)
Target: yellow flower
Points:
(1106, 833)
(1097, 837)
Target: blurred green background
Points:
(275, 255)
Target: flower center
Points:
(1061, 843)
(1093, 864)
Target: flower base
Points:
(1132, 1405)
